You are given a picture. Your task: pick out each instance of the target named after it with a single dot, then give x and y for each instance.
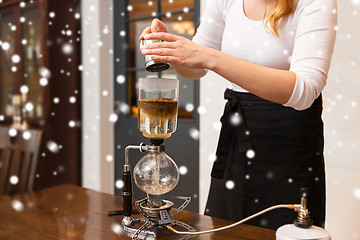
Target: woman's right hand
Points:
(185, 68)
(156, 26)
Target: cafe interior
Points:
(70, 134)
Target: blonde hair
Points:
(282, 9)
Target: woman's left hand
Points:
(175, 50)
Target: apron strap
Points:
(241, 129)
(230, 127)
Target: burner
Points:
(157, 217)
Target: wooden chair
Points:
(18, 159)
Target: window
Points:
(21, 53)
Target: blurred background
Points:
(70, 68)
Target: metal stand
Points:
(157, 215)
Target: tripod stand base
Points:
(141, 227)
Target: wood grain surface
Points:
(71, 212)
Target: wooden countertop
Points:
(71, 212)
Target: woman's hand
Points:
(184, 56)
(176, 50)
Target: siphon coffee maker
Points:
(155, 173)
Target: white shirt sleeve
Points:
(313, 48)
(211, 29)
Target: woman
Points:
(277, 54)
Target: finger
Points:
(158, 26)
(159, 52)
(171, 45)
(162, 36)
(166, 59)
(147, 30)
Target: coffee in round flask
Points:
(156, 173)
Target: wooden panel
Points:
(14, 168)
(5, 159)
(25, 172)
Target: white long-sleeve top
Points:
(305, 45)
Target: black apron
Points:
(265, 155)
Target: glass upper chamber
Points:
(158, 106)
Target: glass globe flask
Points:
(156, 173)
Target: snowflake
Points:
(230, 184)
(52, 146)
(356, 2)
(43, 81)
(119, 184)
(44, 72)
(263, 222)
(12, 132)
(189, 107)
(69, 196)
(5, 46)
(124, 108)
(14, 180)
(17, 205)
(116, 228)
(250, 153)
(201, 110)
(270, 175)
(106, 30)
(120, 79)
(183, 170)
(15, 58)
(72, 124)
(67, 48)
(212, 157)
(72, 99)
(113, 117)
(24, 89)
(29, 106)
(194, 133)
(26, 135)
(356, 193)
(217, 125)
(109, 158)
(235, 119)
